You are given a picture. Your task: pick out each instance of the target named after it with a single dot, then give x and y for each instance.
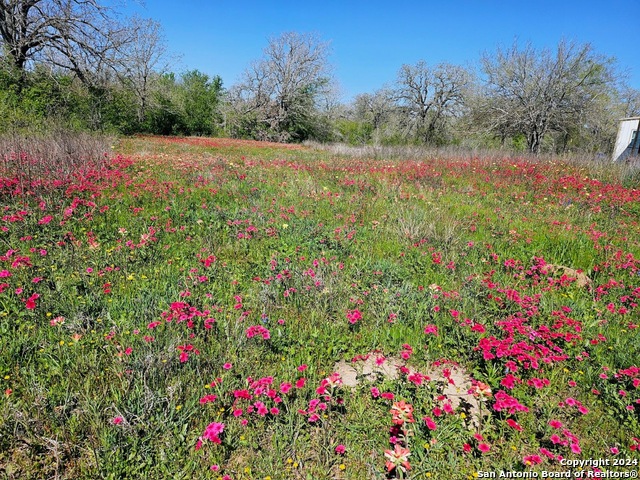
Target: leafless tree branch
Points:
(82, 36)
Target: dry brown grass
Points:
(593, 165)
(49, 157)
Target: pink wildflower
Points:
(431, 425)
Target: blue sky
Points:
(370, 40)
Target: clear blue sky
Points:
(370, 40)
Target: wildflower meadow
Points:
(227, 309)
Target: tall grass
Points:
(52, 156)
(595, 165)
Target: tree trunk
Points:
(533, 141)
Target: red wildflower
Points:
(30, 303)
(431, 329)
(514, 424)
(402, 412)
(532, 460)
(353, 316)
(555, 424)
(397, 458)
(431, 425)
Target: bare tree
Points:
(533, 92)
(430, 96)
(82, 36)
(630, 101)
(374, 108)
(283, 89)
(374, 112)
(143, 60)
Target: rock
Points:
(581, 279)
(455, 386)
(369, 369)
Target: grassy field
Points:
(208, 308)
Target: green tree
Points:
(200, 101)
(164, 115)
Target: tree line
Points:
(77, 63)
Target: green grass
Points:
(301, 238)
